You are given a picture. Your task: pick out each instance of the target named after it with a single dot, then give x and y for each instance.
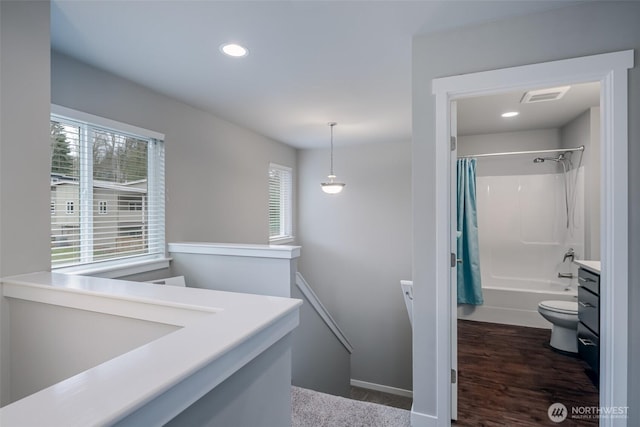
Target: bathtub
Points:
(79, 351)
(515, 301)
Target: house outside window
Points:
(280, 204)
(96, 163)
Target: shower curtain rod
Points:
(512, 153)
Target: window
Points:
(99, 170)
(280, 203)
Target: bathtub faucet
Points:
(569, 254)
(565, 275)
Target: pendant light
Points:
(332, 187)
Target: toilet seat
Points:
(564, 307)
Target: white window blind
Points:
(280, 203)
(107, 193)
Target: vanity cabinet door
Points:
(588, 310)
(589, 280)
(589, 347)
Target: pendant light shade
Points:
(333, 186)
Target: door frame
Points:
(610, 70)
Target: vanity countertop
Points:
(593, 266)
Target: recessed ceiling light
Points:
(233, 49)
(510, 114)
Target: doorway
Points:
(523, 217)
(610, 70)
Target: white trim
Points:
(611, 71)
(81, 116)
(233, 249)
(117, 268)
(383, 388)
(281, 240)
(285, 202)
(322, 312)
(419, 419)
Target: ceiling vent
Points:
(540, 95)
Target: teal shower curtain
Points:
(469, 281)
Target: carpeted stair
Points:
(314, 409)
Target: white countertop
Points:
(212, 324)
(593, 266)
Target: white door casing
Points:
(453, 234)
(610, 70)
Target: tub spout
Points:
(565, 275)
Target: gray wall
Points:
(319, 360)
(585, 130)
(357, 248)
(24, 139)
(258, 394)
(216, 172)
(563, 33)
(57, 349)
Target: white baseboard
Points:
(382, 388)
(422, 420)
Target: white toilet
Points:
(564, 317)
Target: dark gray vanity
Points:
(589, 313)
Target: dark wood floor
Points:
(509, 375)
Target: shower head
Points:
(560, 158)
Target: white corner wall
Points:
(548, 36)
(216, 172)
(356, 247)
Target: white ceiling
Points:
(482, 115)
(310, 62)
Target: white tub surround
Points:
(593, 266)
(213, 345)
(255, 269)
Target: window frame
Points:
(286, 207)
(156, 257)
